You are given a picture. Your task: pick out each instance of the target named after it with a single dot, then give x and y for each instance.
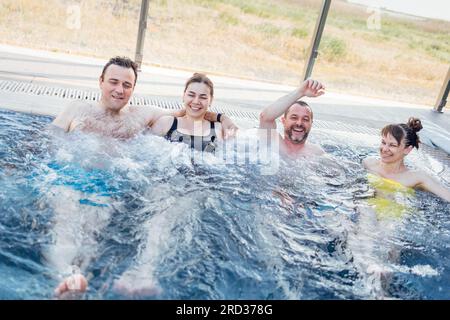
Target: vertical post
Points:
(141, 33)
(443, 94)
(315, 41)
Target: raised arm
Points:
(309, 88)
(432, 185)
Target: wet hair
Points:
(300, 103)
(200, 78)
(408, 131)
(121, 62)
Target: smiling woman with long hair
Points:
(193, 128)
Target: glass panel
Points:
(373, 52)
(98, 28)
(364, 51)
(257, 39)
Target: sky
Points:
(436, 9)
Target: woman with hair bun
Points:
(374, 248)
(389, 173)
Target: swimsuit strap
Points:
(172, 128)
(207, 141)
(212, 131)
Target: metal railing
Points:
(443, 94)
(313, 50)
(141, 33)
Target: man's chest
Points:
(118, 127)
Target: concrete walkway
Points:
(67, 71)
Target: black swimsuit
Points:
(207, 142)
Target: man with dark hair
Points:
(296, 117)
(111, 116)
(121, 62)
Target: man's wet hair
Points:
(300, 103)
(121, 62)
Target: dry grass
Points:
(260, 39)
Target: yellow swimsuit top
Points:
(391, 197)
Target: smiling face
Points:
(297, 123)
(391, 151)
(117, 86)
(197, 98)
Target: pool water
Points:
(143, 214)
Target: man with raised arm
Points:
(296, 117)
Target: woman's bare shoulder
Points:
(370, 163)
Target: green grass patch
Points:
(399, 30)
(346, 22)
(372, 35)
(333, 49)
(268, 28)
(440, 51)
(228, 19)
(267, 9)
(299, 33)
(162, 3)
(262, 11)
(414, 44)
(436, 47)
(205, 3)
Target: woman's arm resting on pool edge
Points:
(432, 185)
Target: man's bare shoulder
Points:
(315, 149)
(72, 110)
(78, 106)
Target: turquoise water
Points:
(143, 213)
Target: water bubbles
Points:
(199, 226)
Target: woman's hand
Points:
(229, 129)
